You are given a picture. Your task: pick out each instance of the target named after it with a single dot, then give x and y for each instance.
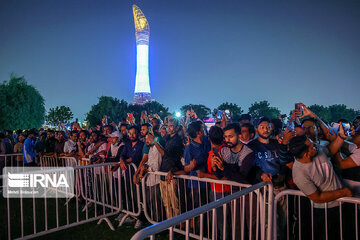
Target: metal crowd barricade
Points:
(127, 195)
(201, 212)
(33, 217)
(130, 194)
(50, 161)
(11, 160)
(301, 219)
(241, 218)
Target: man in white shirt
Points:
(314, 175)
(152, 182)
(70, 146)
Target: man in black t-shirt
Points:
(171, 163)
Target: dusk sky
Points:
(201, 52)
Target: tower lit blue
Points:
(142, 93)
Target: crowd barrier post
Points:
(303, 211)
(170, 224)
(23, 214)
(241, 216)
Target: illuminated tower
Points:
(142, 92)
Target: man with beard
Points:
(171, 164)
(59, 144)
(270, 160)
(70, 146)
(132, 152)
(236, 160)
(235, 163)
(156, 125)
(144, 130)
(124, 132)
(50, 142)
(270, 156)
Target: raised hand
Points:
(341, 132)
(288, 135)
(217, 162)
(307, 112)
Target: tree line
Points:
(23, 107)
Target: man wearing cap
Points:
(269, 162)
(115, 147)
(270, 156)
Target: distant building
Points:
(142, 93)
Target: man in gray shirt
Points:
(314, 175)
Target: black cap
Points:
(262, 119)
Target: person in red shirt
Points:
(217, 190)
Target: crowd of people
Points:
(305, 153)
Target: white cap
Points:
(115, 134)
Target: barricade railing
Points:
(54, 161)
(127, 195)
(166, 199)
(11, 160)
(51, 161)
(130, 193)
(306, 220)
(230, 201)
(32, 217)
(101, 192)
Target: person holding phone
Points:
(310, 124)
(235, 163)
(236, 159)
(314, 175)
(217, 191)
(353, 160)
